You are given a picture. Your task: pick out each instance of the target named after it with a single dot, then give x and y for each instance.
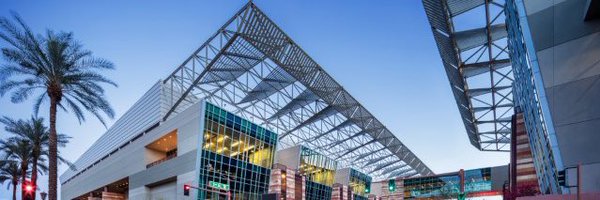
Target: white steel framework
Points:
(252, 68)
(472, 41)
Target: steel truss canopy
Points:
(472, 41)
(252, 68)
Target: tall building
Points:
(538, 57)
(555, 48)
(318, 169)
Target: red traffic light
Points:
(29, 188)
(186, 190)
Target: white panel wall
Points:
(141, 116)
(131, 160)
(165, 191)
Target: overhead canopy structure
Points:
(251, 67)
(471, 39)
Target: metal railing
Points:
(169, 157)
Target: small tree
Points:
(11, 172)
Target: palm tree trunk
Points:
(34, 172)
(52, 176)
(14, 190)
(24, 165)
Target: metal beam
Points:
(338, 127)
(263, 75)
(355, 148)
(472, 54)
(474, 69)
(383, 165)
(189, 89)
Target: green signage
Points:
(217, 185)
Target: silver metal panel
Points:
(145, 113)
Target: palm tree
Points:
(58, 68)
(36, 134)
(10, 172)
(17, 151)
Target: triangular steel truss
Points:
(251, 67)
(472, 40)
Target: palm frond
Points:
(54, 59)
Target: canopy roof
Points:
(472, 41)
(251, 67)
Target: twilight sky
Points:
(382, 52)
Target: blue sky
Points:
(383, 53)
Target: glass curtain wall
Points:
(360, 183)
(447, 186)
(530, 98)
(478, 180)
(319, 171)
(436, 186)
(236, 155)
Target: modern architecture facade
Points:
(391, 189)
(550, 50)
(471, 183)
(286, 183)
(318, 170)
(253, 68)
(523, 177)
(267, 94)
(203, 147)
(484, 182)
(342, 192)
(236, 154)
(556, 53)
(359, 183)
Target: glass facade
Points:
(530, 98)
(360, 183)
(447, 186)
(319, 171)
(237, 153)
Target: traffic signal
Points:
(29, 190)
(368, 189)
(186, 190)
(392, 185)
(562, 178)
